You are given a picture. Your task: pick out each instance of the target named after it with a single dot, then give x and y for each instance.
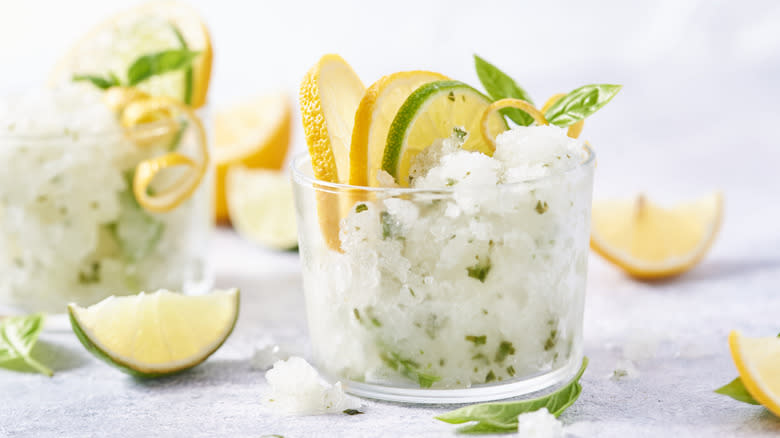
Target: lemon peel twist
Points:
(157, 117)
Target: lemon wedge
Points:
(376, 111)
(149, 335)
(758, 363)
(254, 133)
(261, 207)
(113, 45)
(651, 242)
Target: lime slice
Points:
(432, 112)
(151, 335)
(378, 107)
(113, 45)
(261, 207)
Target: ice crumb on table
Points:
(539, 424)
(266, 356)
(624, 369)
(297, 388)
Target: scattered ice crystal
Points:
(297, 388)
(270, 353)
(539, 424)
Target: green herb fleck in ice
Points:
(505, 349)
(477, 340)
(502, 417)
(391, 229)
(409, 369)
(18, 336)
(352, 412)
(541, 207)
(480, 270)
(361, 208)
(460, 133)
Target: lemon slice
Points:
(574, 130)
(329, 97)
(375, 113)
(171, 195)
(432, 112)
(261, 207)
(254, 133)
(650, 242)
(149, 335)
(112, 46)
(758, 363)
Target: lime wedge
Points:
(151, 335)
(432, 112)
(261, 207)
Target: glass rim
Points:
(301, 178)
(145, 129)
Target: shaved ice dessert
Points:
(475, 275)
(71, 229)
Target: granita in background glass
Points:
(468, 286)
(71, 228)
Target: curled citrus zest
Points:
(574, 130)
(172, 196)
(531, 110)
(117, 98)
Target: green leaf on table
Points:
(158, 63)
(736, 390)
(98, 81)
(18, 335)
(502, 416)
(499, 85)
(580, 104)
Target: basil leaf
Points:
(188, 73)
(158, 63)
(580, 103)
(500, 86)
(736, 390)
(502, 416)
(18, 336)
(100, 82)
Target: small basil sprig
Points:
(158, 63)
(145, 67)
(502, 416)
(499, 85)
(736, 390)
(580, 103)
(18, 335)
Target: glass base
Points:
(481, 393)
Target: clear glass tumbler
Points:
(72, 230)
(445, 296)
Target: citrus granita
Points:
(453, 267)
